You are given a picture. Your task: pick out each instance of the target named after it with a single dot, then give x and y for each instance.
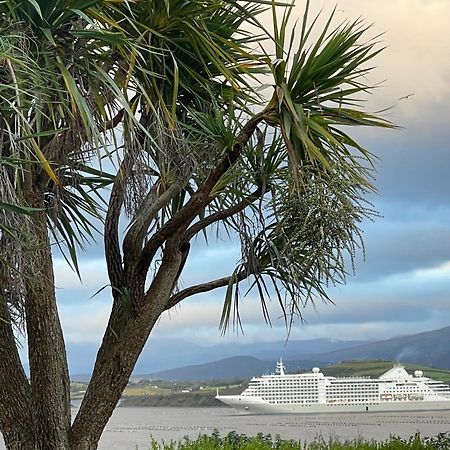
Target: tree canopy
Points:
(159, 123)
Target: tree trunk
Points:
(117, 357)
(49, 374)
(114, 366)
(16, 420)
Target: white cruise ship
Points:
(313, 392)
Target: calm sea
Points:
(131, 428)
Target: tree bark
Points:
(16, 420)
(118, 355)
(49, 374)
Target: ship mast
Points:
(280, 367)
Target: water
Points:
(132, 427)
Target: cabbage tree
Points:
(170, 93)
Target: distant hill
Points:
(241, 367)
(160, 355)
(163, 354)
(375, 368)
(182, 360)
(431, 348)
(225, 369)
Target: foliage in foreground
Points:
(235, 441)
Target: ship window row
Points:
(290, 401)
(294, 381)
(269, 388)
(291, 396)
(342, 401)
(264, 388)
(295, 402)
(348, 385)
(304, 397)
(359, 388)
(289, 384)
(352, 390)
(362, 397)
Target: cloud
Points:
(84, 323)
(208, 263)
(403, 285)
(417, 37)
(406, 303)
(93, 274)
(391, 306)
(403, 245)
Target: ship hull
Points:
(258, 406)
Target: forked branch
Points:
(201, 198)
(134, 238)
(224, 214)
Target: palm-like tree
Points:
(57, 102)
(168, 89)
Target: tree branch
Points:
(205, 287)
(111, 235)
(201, 198)
(134, 238)
(112, 123)
(224, 214)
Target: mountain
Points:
(295, 349)
(164, 354)
(242, 367)
(161, 355)
(166, 358)
(224, 369)
(430, 348)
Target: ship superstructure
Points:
(313, 392)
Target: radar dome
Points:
(316, 370)
(418, 373)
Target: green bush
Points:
(236, 441)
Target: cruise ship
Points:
(313, 392)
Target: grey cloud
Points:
(415, 172)
(396, 247)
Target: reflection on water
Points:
(131, 427)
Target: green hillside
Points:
(375, 368)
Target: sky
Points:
(403, 286)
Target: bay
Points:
(132, 428)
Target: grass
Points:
(133, 389)
(235, 441)
(375, 368)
